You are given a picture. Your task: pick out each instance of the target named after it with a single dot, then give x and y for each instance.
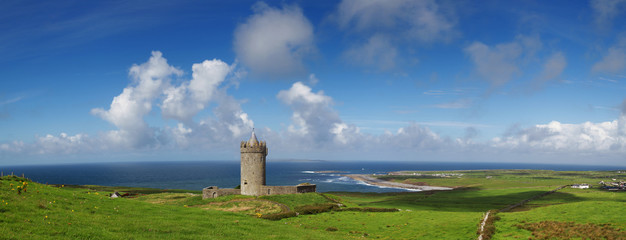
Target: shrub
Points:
(279, 216)
(368, 209)
(312, 209)
(317, 208)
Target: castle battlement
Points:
(254, 149)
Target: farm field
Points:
(81, 212)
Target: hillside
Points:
(80, 212)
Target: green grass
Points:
(568, 205)
(47, 212)
(297, 200)
(500, 179)
(86, 212)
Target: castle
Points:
(253, 155)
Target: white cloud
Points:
(606, 10)
(418, 20)
(316, 124)
(313, 118)
(313, 80)
(151, 83)
(560, 137)
(273, 42)
(461, 103)
(495, 64)
(129, 108)
(377, 51)
(615, 59)
(388, 30)
(50, 144)
(552, 69)
(413, 137)
(185, 101)
(502, 63)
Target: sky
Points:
(401, 80)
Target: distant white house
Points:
(581, 186)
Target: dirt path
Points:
(481, 231)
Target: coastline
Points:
(367, 179)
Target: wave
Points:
(342, 179)
(308, 171)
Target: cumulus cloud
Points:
(151, 83)
(561, 137)
(51, 144)
(615, 59)
(185, 101)
(274, 42)
(412, 137)
(313, 119)
(316, 124)
(129, 108)
(423, 21)
(378, 51)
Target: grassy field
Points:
(579, 206)
(86, 212)
(49, 212)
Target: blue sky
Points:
(485, 81)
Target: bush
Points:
(368, 209)
(279, 216)
(317, 208)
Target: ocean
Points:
(225, 174)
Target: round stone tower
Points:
(253, 155)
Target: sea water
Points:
(327, 175)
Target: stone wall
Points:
(272, 190)
(213, 192)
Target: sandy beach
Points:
(377, 182)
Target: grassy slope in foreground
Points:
(47, 212)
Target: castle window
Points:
(245, 182)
